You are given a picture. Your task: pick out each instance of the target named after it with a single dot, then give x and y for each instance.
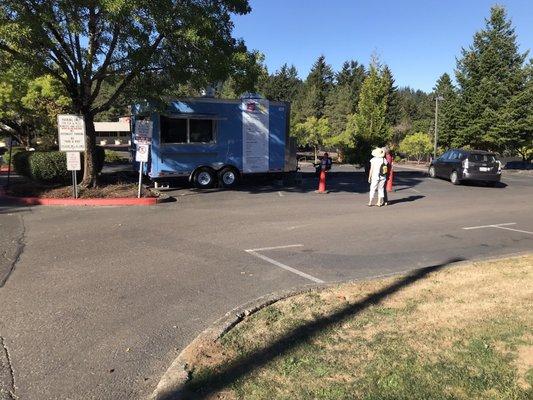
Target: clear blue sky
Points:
(418, 39)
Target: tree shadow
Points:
(205, 386)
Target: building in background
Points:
(113, 133)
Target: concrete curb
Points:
(119, 201)
(172, 383)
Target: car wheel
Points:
(432, 172)
(454, 178)
(204, 178)
(228, 177)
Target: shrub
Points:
(112, 157)
(15, 150)
(49, 166)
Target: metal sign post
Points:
(10, 160)
(140, 179)
(141, 156)
(143, 139)
(74, 165)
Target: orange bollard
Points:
(389, 181)
(322, 182)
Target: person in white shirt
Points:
(377, 175)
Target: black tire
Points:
(204, 178)
(228, 177)
(454, 178)
(431, 172)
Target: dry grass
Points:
(461, 333)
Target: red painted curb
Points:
(119, 201)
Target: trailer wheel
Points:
(204, 178)
(228, 177)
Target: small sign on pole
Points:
(141, 156)
(74, 164)
(143, 139)
(143, 132)
(71, 132)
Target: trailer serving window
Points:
(187, 130)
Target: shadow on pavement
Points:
(405, 200)
(230, 373)
(336, 182)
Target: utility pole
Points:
(437, 99)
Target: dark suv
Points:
(467, 165)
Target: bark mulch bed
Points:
(110, 187)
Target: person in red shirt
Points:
(388, 183)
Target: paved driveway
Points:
(102, 300)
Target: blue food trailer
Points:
(214, 141)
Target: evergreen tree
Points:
(447, 117)
(490, 74)
(393, 107)
(516, 120)
(283, 85)
(341, 102)
(369, 125)
(318, 84)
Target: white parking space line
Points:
(499, 226)
(489, 226)
(515, 230)
(255, 253)
(276, 247)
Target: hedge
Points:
(50, 166)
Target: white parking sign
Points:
(73, 161)
(71, 130)
(142, 153)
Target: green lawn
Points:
(460, 333)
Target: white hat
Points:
(378, 152)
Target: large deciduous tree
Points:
(141, 46)
(417, 145)
(29, 104)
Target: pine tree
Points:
(283, 85)
(318, 84)
(342, 101)
(516, 120)
(489, 73)
(369, 125)
(393, 106)
(447, 118)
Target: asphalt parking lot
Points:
(101, 300)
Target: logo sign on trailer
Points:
(142, 153)
(143, 131)
(73, 161)
(71, 133)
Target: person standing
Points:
(377, 176)
(388, 180)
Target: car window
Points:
(445, 156)
(454, 155)
(481, 157)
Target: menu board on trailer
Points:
(255, 135)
